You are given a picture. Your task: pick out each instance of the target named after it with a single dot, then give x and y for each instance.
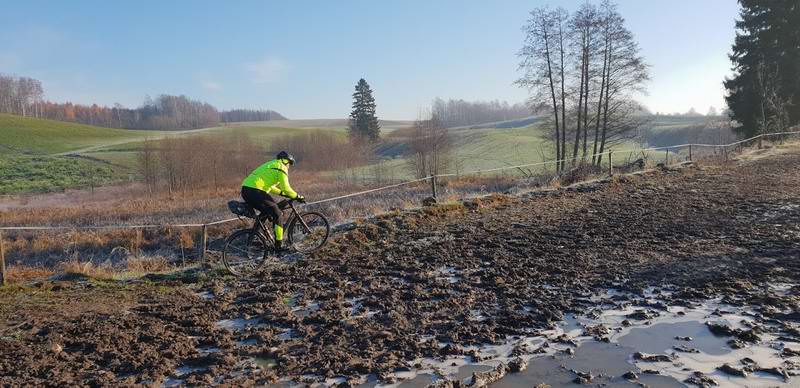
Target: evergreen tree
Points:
(363, 121)
(764, 93)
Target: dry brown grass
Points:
(85, 268)
(22, 273)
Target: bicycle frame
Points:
(259, 226)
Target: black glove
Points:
(300, 199)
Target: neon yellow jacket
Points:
(271, 177)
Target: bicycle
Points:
(247, 250)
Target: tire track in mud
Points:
(395, 288)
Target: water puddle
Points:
(265, 362)
(304, 311)
(628, 325)
(239, 323)
(448, 274)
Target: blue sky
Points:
(302, 58)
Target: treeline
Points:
(20, 95)
(185, 164)
(584, 69)
(236, 115)
(459, 113)
(25, 97)
(163, 112)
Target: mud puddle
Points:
(628, 341)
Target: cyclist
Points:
(268, 179)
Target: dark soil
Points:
(391, 289)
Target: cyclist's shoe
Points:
(280, 249)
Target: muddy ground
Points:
(432, 283)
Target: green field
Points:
(24, 173)
(33, 151)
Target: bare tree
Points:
(543, 62)
(431, 147)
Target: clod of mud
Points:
(652, 357)
(733, 371)
(701, 380)
(483, 379)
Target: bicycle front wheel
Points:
(245, 251)
(309, 232)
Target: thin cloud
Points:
(267, 70)
(211, 85)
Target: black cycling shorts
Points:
(264, 203)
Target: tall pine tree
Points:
(363, 121)
(764, 93)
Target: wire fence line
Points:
(431, 178)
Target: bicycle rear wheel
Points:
(245, 251)
(309, 232)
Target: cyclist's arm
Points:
(286, 189)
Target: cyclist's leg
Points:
(275, 214)
(265, 204)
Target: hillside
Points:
(39, 136)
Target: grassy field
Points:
(37, 136)
(25, 173)
(111, 153)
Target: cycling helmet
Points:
(287, 156)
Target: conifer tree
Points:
(363, 121)
(764, 93)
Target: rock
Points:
(429, 201)
(701, 380)
(720, 330)
(517, 365)
(56, 348)
(583, 377)
(737, 344)
(626, 323)
(790, 353)
(630, 375)
(727, 368)
(748, 336)
(775, 371)
(652, 357)
(483, 379)
(598, 331)
(641, 315)
(685, 349)
(679, 338)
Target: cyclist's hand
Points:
(300, 199)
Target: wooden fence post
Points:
(759, 141)
(611, 163)
(138, 242)
(203, 243)
(3, 279)
(666, 159)
(433, 186)
(690, 152)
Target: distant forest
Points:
(25, 97)
(459, 113)
(235, 115)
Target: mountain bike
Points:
(247, 250)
